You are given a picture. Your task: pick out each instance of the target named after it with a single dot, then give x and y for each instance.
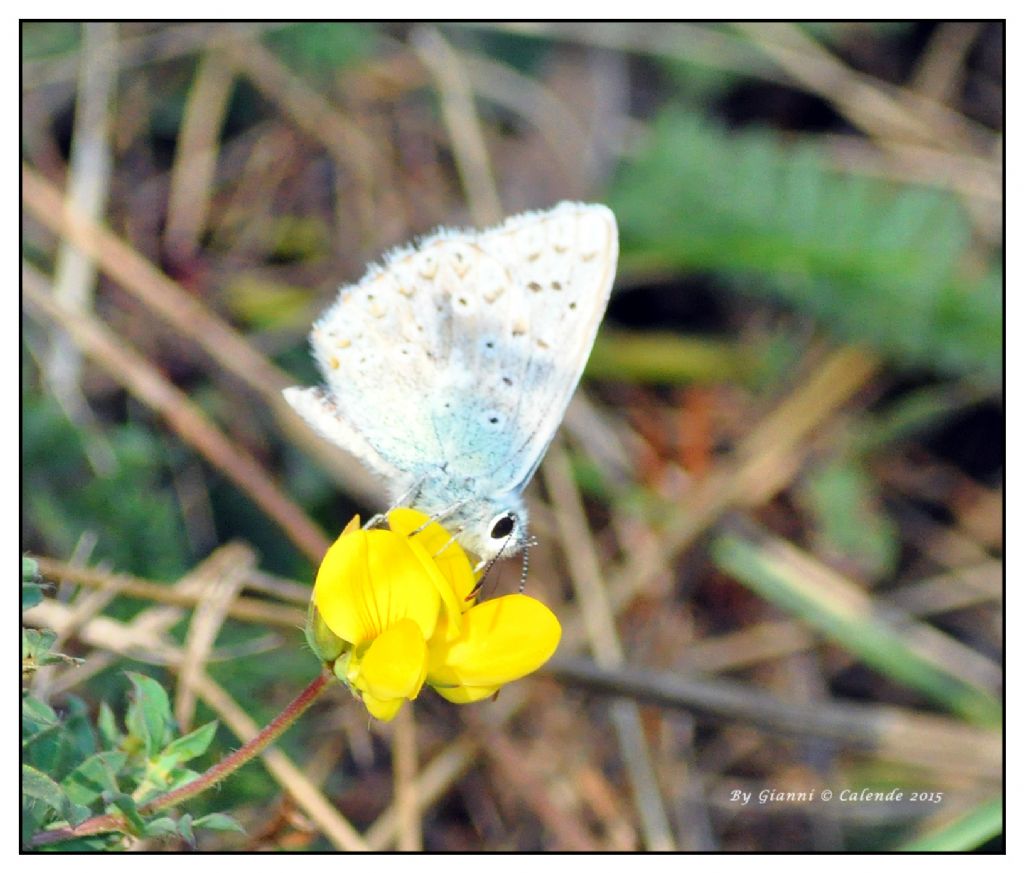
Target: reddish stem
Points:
(105, 823)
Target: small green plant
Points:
(74, 770)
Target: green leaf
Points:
(149, 714)
(218, 821)
(185, 829)
(181, 776)
(97, 843)
(49, 39)
(79, 725)
(34, 818)
(35, 649)
(161, 776)
(51, 750)
(31, 594)
(36, 644)
(318, 50)
(161, 827)
(36, 716)
(38, 786)
(29, 570)
(87, 782)
(914, 413)
(110, 736)
(132, 511)
(189, 746)
(76, 813)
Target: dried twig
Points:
(88, 185)
(242, 609)
(599, 620)
(553, 118)
(192, 320)
(206, 622)
(195, 158)
(762, 464)
(890, 733)
(317, 117)
(146, 383)
(884, 111)
(512, 769)
(407, 803)
(164, 44)
(463, 123)
(939, 72)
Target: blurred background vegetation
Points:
(773, 530)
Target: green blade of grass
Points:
(896, 646)
(667, 358)
(968, 832)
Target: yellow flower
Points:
(392, 609)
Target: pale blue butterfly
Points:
(449, 368)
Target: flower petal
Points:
(442, 549)
(395, 664)
(371, 579)
(465, 694)
(384, 710)
(501, 640)
(438, 549)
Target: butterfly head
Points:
(490, 528)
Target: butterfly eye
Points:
(503, 527)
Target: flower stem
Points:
(105, 823)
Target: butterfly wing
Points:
(321, 412)
(562, 263)
(461, 355)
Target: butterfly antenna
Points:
(487, 569)
(530, 543)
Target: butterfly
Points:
(449, 367)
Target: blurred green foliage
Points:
(131, 510)
(663, 357)
(877, 263)
(41, 39)
(316, 48)
(845, 511)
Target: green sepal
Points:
(326, 645)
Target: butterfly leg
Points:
(440, 516)
(444, 548)
(401, 501)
